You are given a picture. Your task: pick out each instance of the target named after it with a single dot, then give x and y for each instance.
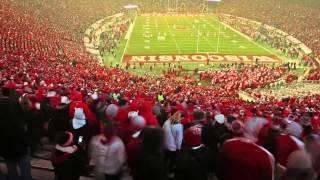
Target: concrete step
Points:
(37, 173)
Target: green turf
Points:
(155, 35)
(188, 35)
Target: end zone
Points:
(192, 58)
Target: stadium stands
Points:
(248, 77)
(300, 20)
(53, 84)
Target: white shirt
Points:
(173, 134)
(108, 158)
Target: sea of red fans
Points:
(248, 77)
(47, 67)
(314, 75)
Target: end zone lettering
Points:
(200, 58)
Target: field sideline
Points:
(189, 35)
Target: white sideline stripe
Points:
(129, 37)
(247, 37)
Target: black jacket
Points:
(13, 137)
(194, 164)
(150, 166)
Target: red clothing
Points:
(122, 116)
(146, 112)
(285, 145)
(244, 160)
(132, 150)
(59, 157)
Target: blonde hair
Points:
(176, 117)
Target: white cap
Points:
(219, 118)
(112, 110)
(65, 100)
(132, 114)
(94, 96)
(38, 106)
(138, 122)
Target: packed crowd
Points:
(299, 89)
(68, 16)
(158, 138)
(250, 76)
(112, 37)
(157, 127)
(299, 20)
(314, 75)
(261, 33)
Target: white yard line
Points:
(177, 47)
(247, 37)
(186, 20)
(218, 43)
(128, 35)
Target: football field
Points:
(156, 39)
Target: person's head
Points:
(299, 174)
(138, 122)
(312, 145)
(176, 117)
(152, 139)
(123, 102)
(64, 138)
(294, 129)
(237, 127)
(198, 115)
(111, 111)
(219, 119)
(299, 166)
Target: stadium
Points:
(160, 89)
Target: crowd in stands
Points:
(261, 33)
(68, 16)
(314, 75)
(250, 76)
(299, 89)
(111, 38)
(298, 19)
(159, 127)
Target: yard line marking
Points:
(177, 47)
(186, 20)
